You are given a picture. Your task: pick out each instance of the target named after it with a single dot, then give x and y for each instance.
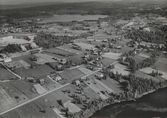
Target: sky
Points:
(15, 2)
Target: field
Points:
(44, 58)
(72, 107)
(49, 84)
(145, 75)
(76, 58)
(98, 88)
(114, 85)
(90, 93)
(144, 55)
(107, 61)
(15, 64)
(138, 58)
(112, 55)
(84, 70)
(161, 64)
(36, 72)
(71, 74)
(21, 85)
(26, 58)
(68, 47)
(6, 75)
(14, 92)
(66, 18)
(24, 64)
(6, 101)
(148, 70)
(85, 46)
(120, 69)
(39, 89)
(10, 40)
(58, 51)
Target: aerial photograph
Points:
(83, 58)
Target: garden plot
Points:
(148, 70)
(112, 55)
(72, 107)
(44, 58)
(121, 69)
(6, 101)
(85, 45)
(161, 64)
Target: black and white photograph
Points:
(83, 58)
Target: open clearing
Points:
(6, 75)
(85, 45)
(44, 58)
(66, 18)
(141, 74)
(39, 89)
(49, 84)
(161, 64)
(36, 72)
(85, 70)
(72, 107)
(120, 69)
(96, 87)
(107, 61)
(10, 40)
(6, 101)
(149, 70)
(112, 55)
(71, 74)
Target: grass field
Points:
(72, 107)
(148, 70)
(24, 64)
(161, 64)
(6, 75)
(49, 84)
(65, 18)
(10, 40)
(58, 50)
(144, 75)
(76, 58)
(114, 85)
(85, 45)
(44, 58)
(26, 58)
(15, 64)
(120, 69)
(98, 88)
(85, 70)
(39, 89)
(68, 47)
(14, 92)
(6, 101)
(21, 85)
(71, 74)
(112, 55)
(107, 61)
(38, 71)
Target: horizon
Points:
(20, 2)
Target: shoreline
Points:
(139, 96)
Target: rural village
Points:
(73, 65)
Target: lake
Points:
(148, 106)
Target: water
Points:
(152, 105)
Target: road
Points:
(33, 99)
